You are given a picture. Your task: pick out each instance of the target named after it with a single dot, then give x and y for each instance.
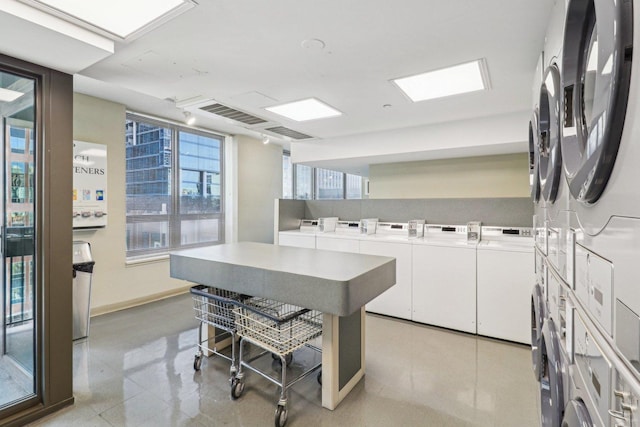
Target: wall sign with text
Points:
(89, 185)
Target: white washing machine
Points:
(534, 176)
(444, 278)
(604, 391)
(505, 263)
(392, 239)
(556, 349)
(625, 404)
(534, 134)
(538, 311)
(554, 188)
(591, 375)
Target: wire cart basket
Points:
(278, 328)
(215, 307)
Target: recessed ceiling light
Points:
(307, 109)
(8, 95)
(121, 18)
(463, 78)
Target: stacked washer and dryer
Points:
(584, 138)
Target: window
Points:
(172, 201)
(329, 184)
(287, 176)
(305, 183)
(354, 186)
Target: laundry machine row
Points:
(584, 156)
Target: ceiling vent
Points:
(281, 130)
(230, 113)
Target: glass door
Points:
(17, 159)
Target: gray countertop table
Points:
(335, 283)
(331, 282)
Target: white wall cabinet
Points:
(395, 301)
(444, 286)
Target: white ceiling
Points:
(249, 54)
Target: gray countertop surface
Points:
(332, 282)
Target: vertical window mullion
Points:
(344, 186)
(174, 217)
(294, 185)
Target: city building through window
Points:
(173, 186)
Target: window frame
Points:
(314, 182)
(174, 217)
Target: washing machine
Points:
(580, 410)
(591, 377)
(444, 289)
(505, 257)
(556, 349)
(538, 311)
(554, 187)
(625, 410)
(601, 129)
(534, 134)
(534, 177)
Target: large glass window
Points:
(354, 186)
(329, 184)
(305, 182)
(287, 176)
(165, 209)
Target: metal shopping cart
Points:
(214, 306)
(278, 328)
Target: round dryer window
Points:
(534, 158)
(596, 72)
(550, 160)
(576, 414)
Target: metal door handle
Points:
(617, 414)
(621, 394)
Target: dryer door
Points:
(534, 158)
(551, 377)
(550, 167)
(537, 320)
(576, 414)
(596, 73)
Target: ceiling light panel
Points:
(463, 78)
(8, 95)
(121, 18)
(307, 109)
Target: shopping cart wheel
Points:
(197, 362)
(281, 415)
(288, 359)
(237, 388)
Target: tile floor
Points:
(136, 369)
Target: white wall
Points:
(115, 284)
(494, 135)
(256, 169)
(486, 176)
(259, 184)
